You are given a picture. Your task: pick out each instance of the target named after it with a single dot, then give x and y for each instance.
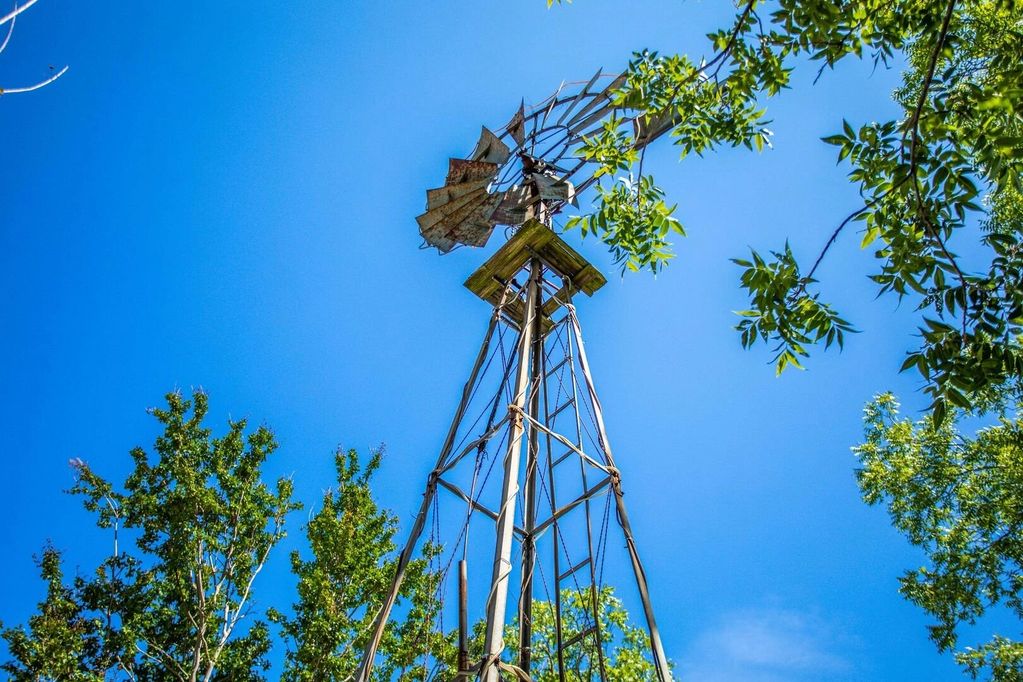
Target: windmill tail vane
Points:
(526, 462)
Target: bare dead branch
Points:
(30, 88)
(10, 31)
(16, 11)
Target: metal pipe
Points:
(369, 653)
(660, 659)
(497, 601)
(594, 596)
(552, 487)
(463, 617)
(529, 493)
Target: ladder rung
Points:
(579, 636)
(573, 569)
(560, 409)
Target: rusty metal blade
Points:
(646, 129)
(516, 126)
(467, 170)
(490, 148)
(553, 188)
(578, 98)
(435, 198)
(554, 103)
(603, 100)
(435, 237)
(513, 208)
(434, 216)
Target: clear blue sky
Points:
(222, 195)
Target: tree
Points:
(954, 160)
(625, 647)
(960, 499)
(351, 540)
(179, 604)
(62, 642)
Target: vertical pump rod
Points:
(536, 382)
(497, 602)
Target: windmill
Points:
(529, 413)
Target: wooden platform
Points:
(534, 240)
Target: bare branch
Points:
(16, 11)
(10, 31)
(913, 125)
(30, 88)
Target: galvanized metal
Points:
(463, 616)
(534, 165)
(497, 602)
(369, 653)
(530, 281)
(660, 659)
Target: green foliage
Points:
(961, 501)
(804, 321)
(349, 572)
(62, 641)
(625, 648)
(634, 221)
(953, 159)
(179, 604)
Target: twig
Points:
(914, 122)
(10, 31)
(16, 11)
(30, 88)
(841, 226)
(913, 130)
(913, 127)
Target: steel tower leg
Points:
(497, 601)
(369, 653)
(660, 659)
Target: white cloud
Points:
(765, 645)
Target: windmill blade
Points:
(646, 129)
(466, 220)
(579, 98)
(490, 149)
(435, 198)
(466, 170)
(604, 98)
(446, 210)
(552, 105)
(553, 188)
(517, 125)
(513, 207)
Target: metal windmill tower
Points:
(540, 427)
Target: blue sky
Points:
(222, 195)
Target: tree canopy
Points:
(192, 527)
(177, 602)
(960, 499)
(351, 540)
(946, 172)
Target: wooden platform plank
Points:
(534, 238)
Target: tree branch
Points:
(10, 32)
(16, 11)
(30, 88)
